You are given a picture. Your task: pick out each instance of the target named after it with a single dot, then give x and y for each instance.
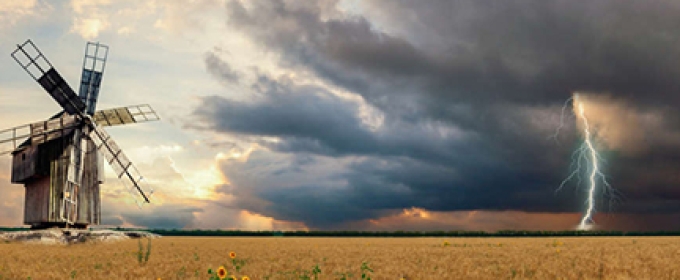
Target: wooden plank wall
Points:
(35, 207)
(40, 188)
(44, 195)
(59, 156)
(88, 198)
(23, 164)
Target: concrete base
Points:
(71, 236)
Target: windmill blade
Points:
(93, 70)
(41, 70)
(121, 165)
(12, 138)
(125, 115)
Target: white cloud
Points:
(125, 30)
(17, 6)
(148, 154)
(180, 16)
(16, 15)
(90, 17)
(85, 6)
(12, 11)
(89, 28)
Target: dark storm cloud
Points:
(220, 69)
(482, 51)
(409, 164)
(164, 216)
(369, 188)
(317, 115)
(311, 119)
(470, 92)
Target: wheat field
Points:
(335, 258)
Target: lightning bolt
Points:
(588, 154)
(557, 132)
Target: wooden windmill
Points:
(59, 160)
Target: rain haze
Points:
(368, 115)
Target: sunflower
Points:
(232, 255)
(221, 272)
(245, 278)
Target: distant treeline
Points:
(502, 233)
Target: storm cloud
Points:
(467, 95)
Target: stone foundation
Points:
(71, 236)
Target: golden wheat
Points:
(390, 258)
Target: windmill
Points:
(59, 160)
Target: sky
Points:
(368, 115)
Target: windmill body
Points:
(43, 169)
(60, 161)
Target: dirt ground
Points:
(335, 258)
